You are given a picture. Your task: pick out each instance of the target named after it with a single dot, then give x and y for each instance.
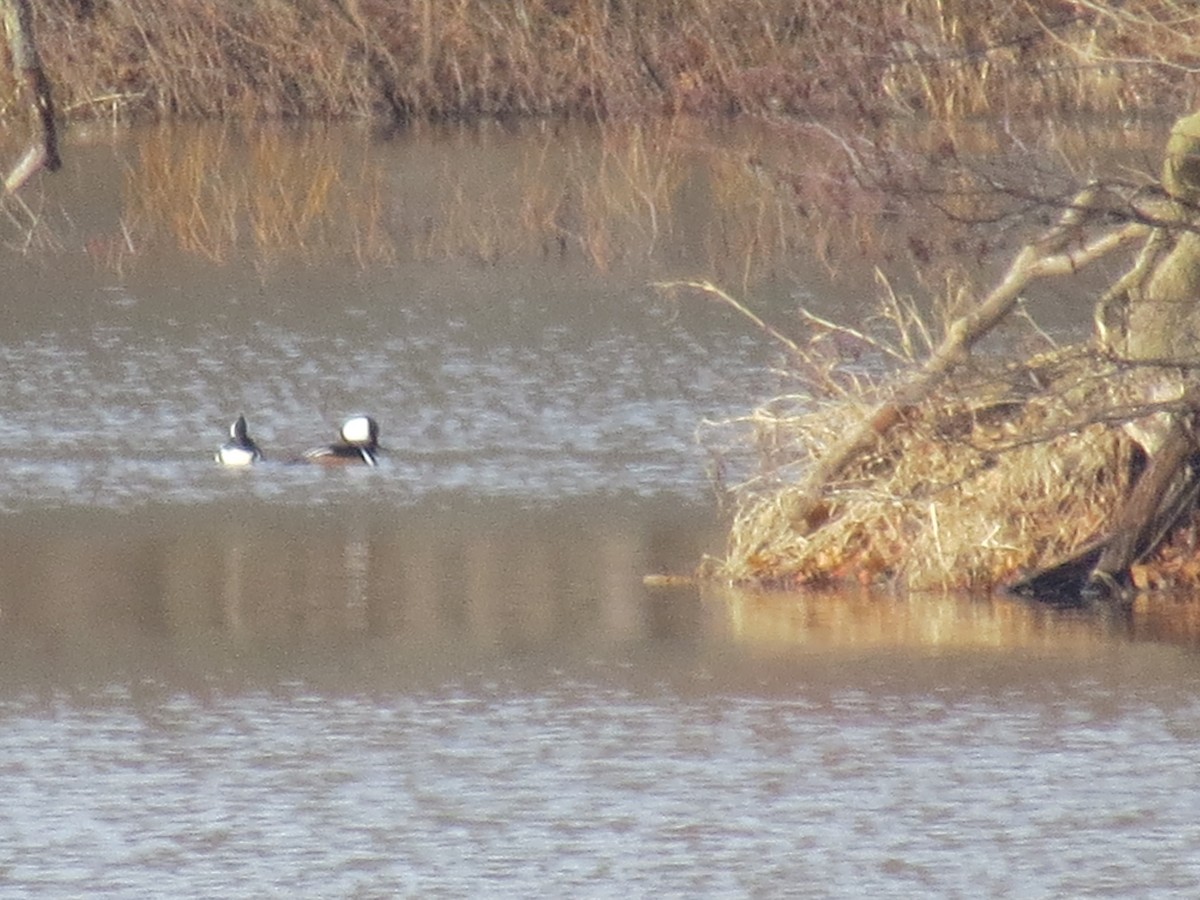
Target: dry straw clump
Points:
(1004, 470)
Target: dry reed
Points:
(1004, 470)
(948, 59)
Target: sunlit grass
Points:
(419, 59)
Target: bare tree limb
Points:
(1049, 255)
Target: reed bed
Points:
(1006, 470)
(406, 59)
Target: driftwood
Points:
(1050, 255)
(27, 66)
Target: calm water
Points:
(444, 677)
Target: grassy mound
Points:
(1001, 471)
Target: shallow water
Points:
(445, 677)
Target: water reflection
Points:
(875, 619)
(749, 205)
(370, 593)
(371, 598)
(463, 698)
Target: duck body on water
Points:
(240, 450)
(357, 444)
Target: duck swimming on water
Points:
(359, 444)
(240, 450)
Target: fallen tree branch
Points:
(708, 287)
(1047, 256)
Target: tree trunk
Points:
(27, 66)
(1151, 317)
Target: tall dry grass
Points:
(601, 58)
(993, 477)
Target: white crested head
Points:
(359, 430)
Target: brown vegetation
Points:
(1002, 472)
(600, 58)
(966, 474)
(953, 458)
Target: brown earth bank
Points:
(602, 58)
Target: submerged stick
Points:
(1044, 257)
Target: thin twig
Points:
(708, 287)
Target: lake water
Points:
(444, 677)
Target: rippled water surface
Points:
(122, 397)
(445, 677)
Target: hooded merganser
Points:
(359, 444)
(240, 449)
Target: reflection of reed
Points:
(921, 620)
(740, 206)
(743, 206)
(481, 588)
(270, 194)
(631, 194)
(488, 587)
(233, 590)
(180, 600)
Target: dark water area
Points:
(445, 676)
